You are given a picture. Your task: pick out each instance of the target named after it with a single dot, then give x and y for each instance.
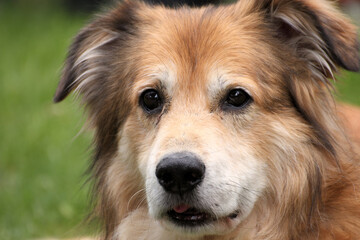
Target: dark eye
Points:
(237, 99)
(151, 101)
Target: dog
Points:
(218, 121)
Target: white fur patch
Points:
(87, 64)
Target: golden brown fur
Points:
(287, 148)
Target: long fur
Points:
(286, 52)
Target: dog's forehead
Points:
(195, 46)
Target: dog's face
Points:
(203, 108)
(196, 111)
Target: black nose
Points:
(180, 172)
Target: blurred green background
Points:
(43, 152)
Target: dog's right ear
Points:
(86, 62)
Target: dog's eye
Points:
(151, 101)
(237, 99)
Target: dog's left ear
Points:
(323, 39)
(317, 31)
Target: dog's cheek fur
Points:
(124, 180)
(293, 172)
(97, 69)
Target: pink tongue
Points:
(181, 208)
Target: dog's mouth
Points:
(187, 216)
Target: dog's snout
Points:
(180, 172)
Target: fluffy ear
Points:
(89, 55)
(321, 38)
(318, 33)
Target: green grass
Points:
(41, 160)
(348, 87)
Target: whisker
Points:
(138, 192)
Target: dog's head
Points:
(220, 112)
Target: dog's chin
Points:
(193, 221)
